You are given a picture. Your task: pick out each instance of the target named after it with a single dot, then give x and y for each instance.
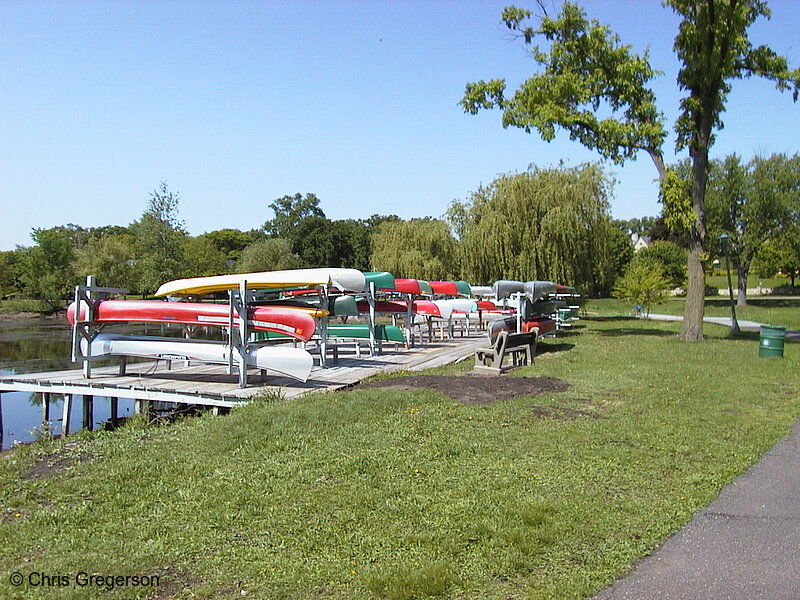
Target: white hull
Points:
(344, 280)
(462, 305)
(277, 360)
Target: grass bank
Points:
(400, 495)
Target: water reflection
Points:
(31, 345)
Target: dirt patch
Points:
(473, 389)
(54, 464)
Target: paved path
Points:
(726, 322)
(743, 546)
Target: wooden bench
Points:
(521, 347)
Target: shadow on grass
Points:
(631, 331)
(548, 347)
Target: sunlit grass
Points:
(400, 495)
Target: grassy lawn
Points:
(400, 495)
(767, 310)
(720, 281)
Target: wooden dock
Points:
(212, 386)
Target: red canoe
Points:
(446, 288)
(294, 323)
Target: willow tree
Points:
(419, 248)
(549, 224)
(587, 72)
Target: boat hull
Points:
(294, 323)
(344, 280)
(276, 360)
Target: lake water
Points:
(28, 345)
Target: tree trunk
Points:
(692, 330)
(742, 269)
(696, 292)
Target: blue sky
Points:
(237, 103)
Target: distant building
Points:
(639, 241)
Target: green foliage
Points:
(272, 254)
(289, 211)
(419, 248)
(675, 195)
(643, 284)
(201, 257)
(667, 257)
(112, 260)
(620, 251)
(586, 72)
(714, 48)
(323, 243)
(549, 224)
(752, 203)
(781, 254)
(8, 278)
(46, 271)
(230, 242)
(159, 238)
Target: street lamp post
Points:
(734, 323)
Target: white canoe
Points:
(344, 280)
(276, 360)
(463, 305)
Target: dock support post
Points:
(323, 330)
(242, 310)
(114, 412)
(88, 412)
(371, 302)
(65, 419)
(45, 407)
(1, 421)
(410, 321)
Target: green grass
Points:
(720, 281)
(401, 495)
(764, 309)
(22, 305)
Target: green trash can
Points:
(770, 342)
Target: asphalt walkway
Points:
(725, 322)
(743, 546)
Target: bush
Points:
(644, 285)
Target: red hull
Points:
(294, 323)
(446, 288)
(421, 307)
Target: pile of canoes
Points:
(274, 320)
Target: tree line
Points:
(545, 223)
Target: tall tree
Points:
(159, 239)
(46, 270)
(112, 260)
(550, 224)
(419, 248)
(289, 211)
(588, 72)
(751, 203)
